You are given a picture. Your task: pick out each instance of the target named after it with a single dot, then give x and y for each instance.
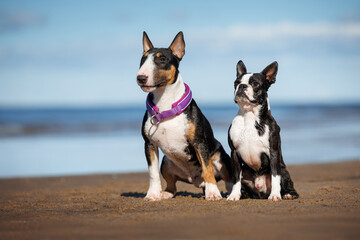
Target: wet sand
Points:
(112, 207)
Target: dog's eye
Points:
(255, 84)
(162, 59)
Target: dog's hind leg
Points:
(170, 178)
(211, 190)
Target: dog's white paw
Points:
(152, 196)
(275, 197)
(166, 195)
(233, 197)
(213, 196)
(212, 192)
(235, 192)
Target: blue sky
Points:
(87, 53)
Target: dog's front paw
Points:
(235, 192)
(166, 195)
(234, 197)
(213, 196)
(212, 192)
(151, 197)
(275, 197)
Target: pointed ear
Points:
(178, 45)
(240, 69)
(146, 43)
(270, 72)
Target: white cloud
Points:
(277, 34)
(293, 29)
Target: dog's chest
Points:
(170, 136)
(247, 141)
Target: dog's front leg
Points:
(275, 165)
(235, 188)
(152, 157)
(275, 187)
(211, 190)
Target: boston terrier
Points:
(254, 137)
(174, 123)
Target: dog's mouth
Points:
(160, 84)
(243, 97)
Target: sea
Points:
(75, 141)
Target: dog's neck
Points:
(255, 112)
(165, 96)
(246, 107)
(250, 110)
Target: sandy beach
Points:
(112, 207)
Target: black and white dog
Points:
(254, 137)
(174, 123)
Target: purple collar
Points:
(177, 107)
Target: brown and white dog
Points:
(192, 154)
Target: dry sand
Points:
(112, 207)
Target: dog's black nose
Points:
(142, 78)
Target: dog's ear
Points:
(146, 43)
(270, 72)
(240, 69)
(178, 45)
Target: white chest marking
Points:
(247, 141)
(170, 137)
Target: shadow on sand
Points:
(178, 194)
